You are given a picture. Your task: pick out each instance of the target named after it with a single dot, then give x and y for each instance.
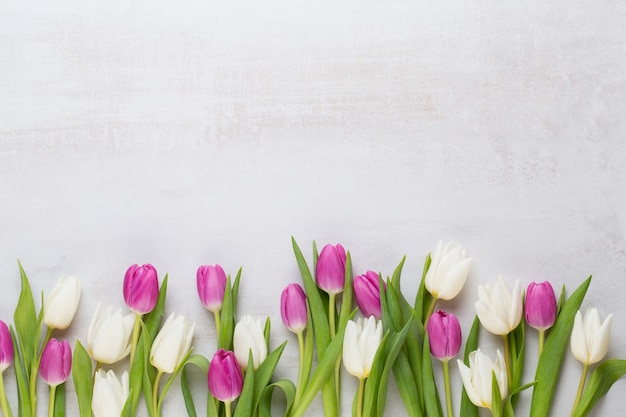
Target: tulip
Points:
(6, 347)
(448, 271)
(444, 334)
(499, 310)
(293, 308)
(211, 282)
(56, 362)
(331, 269)
(477, 378)
(367, 294)
(172, 343)
(360, 343)
(225, 377)
(141, 288)
(61, 304)
(109, 394)
(540, 306)
(248, 337)
(109, 335)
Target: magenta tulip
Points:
(56, 362)
(211, 281)
(225, 376)
(293, 308)
(331, 269)
(367, 294)
(540, 306)
(6, 347)
(141, 288)
(444, 334)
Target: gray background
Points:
(191, 133)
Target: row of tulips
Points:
(390, 336)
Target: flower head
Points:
(499, 310)
(109, 394)
(477, 378)
(447, 272)
(109, 335)
(293, 308)
(225, 377)
(248, 337)
(211, 282)
(6, 347)
(56, 362)
(360, 343)
(540, 306)
(444, 334)
(172, 343)
(331, 269)
(141, 288)
(367, 294)
(590, 336)
(61, 304)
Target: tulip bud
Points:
(56, 362)
(109, 335)
(540, 306)
(367, 294)
(172, 343)
(62, 303)
(293, 308)
(477, 378)
(141, 288)
(6, 347)
(331, 269)
(448, 271)
(360, 343)
(211, 282)
(109, 394)
(499, 310)
(225, 376)
(444, 334)
(248, 337)
(590, 336)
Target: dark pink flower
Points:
(211, 282)
(540, 305)
(56, 362)
(293, 308)
(6, 347)
(225, 376)
(367, 294)
(444, 334)
(331, 269)
(141, 288)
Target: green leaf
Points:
(431, 396)
(152, 320)
(235, 291)
(245, 405)
(59, 401)
(266, 332)
(423, 296)
(599, 384)
(395, 278)
(288, 389)
(227, 319)
(82, 376)
(407, 388)
(508, 405)
(496, 396)
(347, 298)
(551, 359)
(373, 380)
(264, 373)
(25, 319)
(393, 305)
(468, 409)
(21, 379)
(202, 363)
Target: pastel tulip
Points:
(499, 310)
(293, 308)
(477, 378)
(172, 343)
(225, 376)
(360, 343)
(60, 306)
(590, 336)
(211, 282)
(367, 294)
(248, 337)
(331, 269)
(109, 335)
(141, 288)
(448, 271)
(6, 347)
(56, 362)
(444, 334)
(109, 394)
(540, 306)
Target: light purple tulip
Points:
(444, 334)
(56, 362)
(211, 282)
(367, 294)
(293, 308)
(331, 269)
(6, 347)
(225, 376)
(540, 306)
(141, 288)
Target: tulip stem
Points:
(446, 382)
(227, 408)
(359, 404)
(581, 386)
(53, 391)
(542, 336)
(216, 314)
(155, 394)
(331, 314)
(301, 381)
(136, 329)
(431, 309)
(33, 374)
(6, 410)
(507, 360)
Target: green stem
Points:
(431, 309)
(53, 391)
(507, 360)
(155, 394)
(331, 314)
(446, 382)
(581, 386)
(359, 404)
(227, 409)
(542, 336)
(301, 381)
(34, 372)
(6, 410)
(216, 314)
(135, 340)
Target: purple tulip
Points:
(56, 362)
(444, 334)
(367, 294)
(6, 347)
(293, 308)
(141, 288)
(331, 269)
(540, 306)
(225, 376)
(211, 281)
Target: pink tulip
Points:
(141, 288)
(211, 282)
(225, 376)
(331, 269)
(293, 308)
(540, 306)
(444, 334)
(367, 294)
(6, 347)
(56, 362)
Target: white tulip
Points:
(248, 337)
(109, 335)
(499, 310)
(360, 343)
(172, 343)
(448, 271)
(477, 378)
(60, 306)
(590, 336)
(109, 394)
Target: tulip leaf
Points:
(395, 278)
(227, 326)
(393, 305)
(152, 320)
(423, 295)
(431, 396)
(200, 362)
(263, 375)
(308, 354)
(508, 405)
(136, 377)
(496, 396)
(235, 290)
(468, 409)
(288, 389)
(82, 376)
(599, 384)
(245, 405)
(171, 379)
(26, 327)
(551, 359)
(59, 401)
(373, 380)
(21, 379)
(405, 380)
(347, 298)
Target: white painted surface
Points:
(189, 133)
